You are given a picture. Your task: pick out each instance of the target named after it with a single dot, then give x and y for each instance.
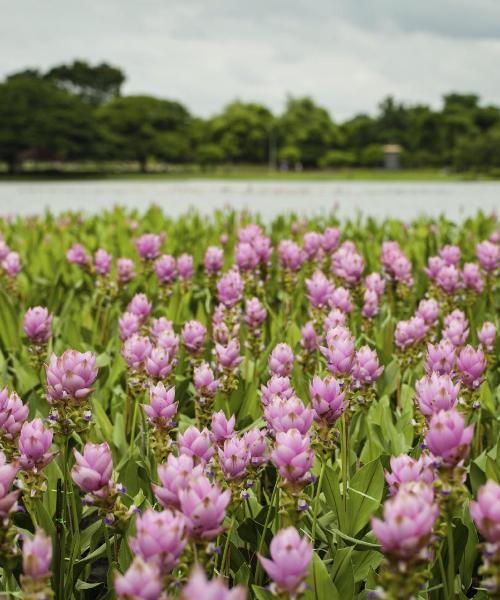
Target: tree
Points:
(41, 121)
(96, 85)
(209, 155)
(337, 158)
(309, 128)
(143, 127)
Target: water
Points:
(403, 200)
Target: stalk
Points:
(451, 563)
(344, 460)
(316, 502)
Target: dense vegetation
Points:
(305, 410)
(77, 113)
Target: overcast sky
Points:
(347, 54)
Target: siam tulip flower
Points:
(488, 255)
(162, 407)
(204, 381)
(472, 364)
(327, 399)
(276, 386)
(447, 438)
(214, 259)
(495, 237)
(34, 443)
(228, 357)
(249, 233)
(449, 279)
(263, 248)
(126, 270)
(174, 475)
(196, 443)
(410, 333)
(456, 328)
(434, 266)
(339, 352)
(223, 239)
(486, 511)
(13, 414)
(348, 264)
(141, 581)
(366, 369)
(245, 257)
(435, 393)
(166, 269)
(8, 472)
(70, 375)
(37, 556)
(136, 350)
(405, 469)
(370, 304)
(204, 506)
(312, 243)
(198, 587)
(185, 266)
(341, 299)
(256, 441)
(159, 363)
(234, 458)
(102, 262)
(37, 324)
(148, 246)
(255, 314)
(487, 335)
(11, 264)
(291, 256)
(389, 253)
(406, 530)
(472, 278)
(159, 326)
(78, 255)
(283, 415)
(222, 428)
(129, 325)
(375, 283)
(230, 288)
(451, 255)
(308, 341)
(428, 310)
(440, 358)
(402, 270)
(169, 341)
(330, 240)
(292, 455)
(335, 318)
(281, 360)
(289, 564)
(159, 539)
(140, 306)
(319, 289)
(93, 469)
(194, 336)
(4, 248)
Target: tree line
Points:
(77, 112)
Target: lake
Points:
(402, 200)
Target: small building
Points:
(392, 156)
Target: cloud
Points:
(347, 54)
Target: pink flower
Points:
(366, 369)
(263, 248)
(341, 299)
(487, 335)
(204, 506)
(199, 587)
(162, 407)
(204, 381)
(13, 414)
(334, 318)
(308, 340)
(488, 255)
(370, 304)
(11, 264)
(276, 386)
(78, 255)
(291, 256)
(327, 399)
(169, 341)
(8, 472)
(141, 581)
(256, 442)
(140, 306)
(289, 564)
(234, 458)
(37, 555)
(185, 266)
(255, 313)
(319, 289)
(249, 233)
(440, 358)
(472, 364)
(405, 469)
(70, 375)
(230, 288)
(228, 357)
(34, 443)
(292, 455)
(486, 511)
(245, 257)
(37, 324)
(222, 428)
(410, 333)
(102, 262)
(348, 264)
(92, 471)
(148, 246)
(375, 283)
(313, 244)
(340, 352)
(196, 443)
(194, 336)
(214, 259)
(166, 269)
(471, 277)
(448, 279)
(129, 325)
(331, 238)
(435, 393)
(126, 269)
(283, 415)
(159, 326)
(447, 438)
(136, 350)
(174, 475)
(160, 538)
(159, 363)
(428, 310)
(434, 266)
(450, 254)
(281, 360)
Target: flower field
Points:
(216, 408)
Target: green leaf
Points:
(331, 489)
(261, 593)
(365, 494)
(320, 583)
(342, 573)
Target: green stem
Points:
(316, 501)
(226, 548)
(108, 547)
(258, 570)
(451, 563)
(134, 422)
(344, 460)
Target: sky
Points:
(346, 54)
